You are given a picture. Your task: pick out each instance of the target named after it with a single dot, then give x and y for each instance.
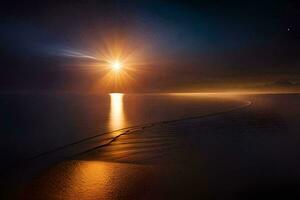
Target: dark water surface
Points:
(32, 124)
(249, 153)
(232, 150)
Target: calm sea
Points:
(32, 124)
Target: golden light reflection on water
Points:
(117, 115)
(88, 179)
(84, 180)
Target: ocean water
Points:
(33, 124)
(194, 146)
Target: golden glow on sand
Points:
(117, 116)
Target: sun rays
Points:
(113, 64)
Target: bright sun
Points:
(116, 65)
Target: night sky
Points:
(178, 45)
